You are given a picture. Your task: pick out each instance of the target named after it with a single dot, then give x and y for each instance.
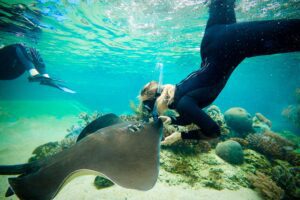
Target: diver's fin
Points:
(19, 169)
(9, 192)
(65, 89)
(52, 83)
(100, 122)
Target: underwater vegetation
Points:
(291, 137)
(51, 148)
(273, 146)
(292, 112)
(215, 113)
(199, 170)
(287, 177)
(266, 186)
(84, 120)
(138, 110)
(261, 123)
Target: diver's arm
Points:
(209, 128)
(190, 113)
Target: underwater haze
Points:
(106, 50)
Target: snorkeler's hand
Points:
(165, 119)
(171, 139)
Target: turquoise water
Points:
(107, 50)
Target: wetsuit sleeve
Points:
(189, 109)
(221, 12)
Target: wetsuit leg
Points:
(221, 12)
(38, 61)
(10, 65)
(265, 37)
(23, 59)
(190, 107)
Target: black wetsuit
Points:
(15, 59)
(225, 44)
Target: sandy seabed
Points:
(82, 188)
(24, 125)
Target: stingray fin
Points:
(100, 122)
(19, 169)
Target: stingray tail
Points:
(21, 169)
(18, 169)
(9, 192)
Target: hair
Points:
(149, 91)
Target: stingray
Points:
(127, 153)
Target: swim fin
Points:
(53, 83)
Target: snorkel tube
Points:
(154, 113)
(149, 104)
(160, 67)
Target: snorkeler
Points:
(225, 45)
(20, 18)
(15, 59)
